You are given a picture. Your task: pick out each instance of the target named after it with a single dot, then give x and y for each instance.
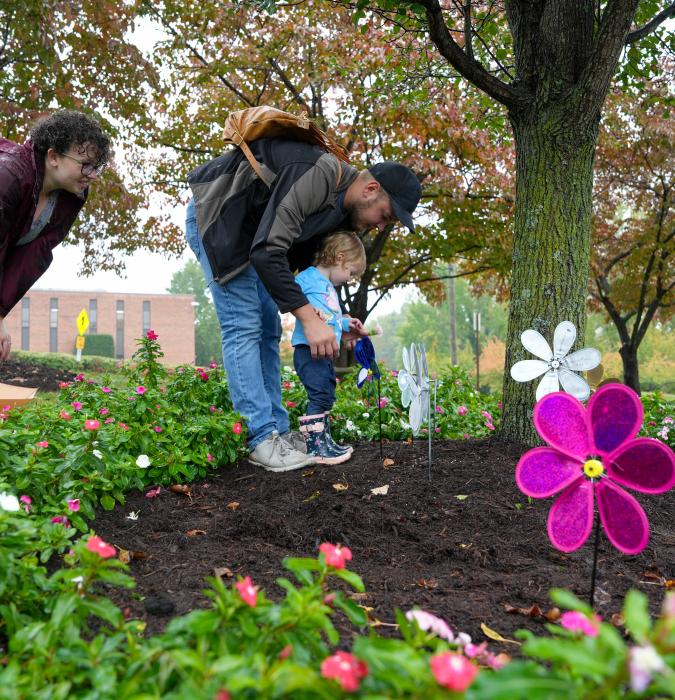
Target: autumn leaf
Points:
(181, 488)
(491, 634)
(340, 487)
(194, 533)
(232, 505)
(221, 571)
(387, 462)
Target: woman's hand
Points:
(5, 341)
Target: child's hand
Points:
(355, 326)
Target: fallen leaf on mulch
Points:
(181, 488)
(657, 577)
(388, 462)
(340, 487)
(309, 472)
(194, 533)
(358, 596)
(233, 505)
(221, 571)
(380, 490)
(534, 611)
(429, 584)
(491, 634)
(312, 496)
(461, 497)
(617, 620)
(124, 556)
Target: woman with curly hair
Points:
(43, 185)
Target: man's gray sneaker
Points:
(295, 439)
(275, 455)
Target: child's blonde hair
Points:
(344, 243)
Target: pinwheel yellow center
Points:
(593, 468)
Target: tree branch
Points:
(467, 66)
(653, 24)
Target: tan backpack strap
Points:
(254, 163)
(339, 177)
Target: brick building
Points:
(44, 321)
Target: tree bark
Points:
(631, 367)
(551, 252)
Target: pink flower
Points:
(212, 364)
(394, 373)
(140, 390)
(592, 453)
(286, 652)
(153, 493)
(575, 621)
(489, 425)
(237, 428)
(64, 414)
(6, 409)
(430, 623)
(61, 520)
(63, 385)
(466, 436)
(291, 404)
(247, 591)
(104, 411)
(106, 389)
(287, 385)
(500, 405)
(212, 408)
(346, 669)
(109, 420)
(151, 335)
(131, 398)
(79, 377)
(453, 671)
(124, 426)
(437, 430)
(487, 415)
(92, 424)
(209, 457)
(383, 402)
(335, 555)
(222, 695)
(461, 411)
(42, 443)
(26, 500)
(74, 504)
(439, 409)
(98, 546)
(76, 405)
(158, 429)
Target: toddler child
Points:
(340, 259)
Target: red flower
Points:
(98, 546)
(61, 520)
(286, 652)
(336, 555)
(222, 695)
(63, 385)
(287, 385)
(151, 335)
(247, 591)
(291, 404)
(92, 424)
(346, 669)
(42, 443)
(453, 671)
(236, 428)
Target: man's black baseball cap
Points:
(403, 188)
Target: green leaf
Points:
(354, 580)
(356, 614)
(636, 615)
(107, 502)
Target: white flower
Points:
(366, 415)
(430, 623)
(143, 461)
(556, 365)
(133, 515)
(642, 662)
(9, 502)
(97, 453)
(79, 580)
(349, 425)
(463, 639)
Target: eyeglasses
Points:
(87, 168)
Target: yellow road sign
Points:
(82, 321)
(79, 342)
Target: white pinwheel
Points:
(556, 365)
(413, 381)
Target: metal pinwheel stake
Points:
(414, 383)
(364, 352)
(591, 455)
(556, 365)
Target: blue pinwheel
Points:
(364, 352)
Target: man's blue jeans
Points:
(250, 328)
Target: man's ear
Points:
(371, 190)
(51, 157)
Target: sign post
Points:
(82, 325)
(476, 328)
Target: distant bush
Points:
(102, 345)
(66, 362)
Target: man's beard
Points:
(355, 216)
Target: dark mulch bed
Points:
(464, 560)
(29, 374)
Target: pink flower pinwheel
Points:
(592, 453)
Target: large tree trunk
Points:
(631, 368)
(551, 251)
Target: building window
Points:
(146, 317)
(25, 323)
(53, 325)
(119, 330)
(93, 316)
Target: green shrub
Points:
(101, 345)
(66, 362)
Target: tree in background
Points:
(190, 280)
(550, 65)
(79, 55)
(634, 234)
